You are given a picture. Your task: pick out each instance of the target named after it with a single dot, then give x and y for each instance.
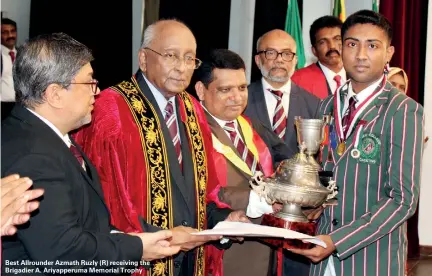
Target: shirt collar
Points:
(329, 74)
(286, 88)
(65, 138)
(365, 93)
(6, 50)
(219, 121)
(160, 99)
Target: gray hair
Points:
(259, 42)
(44, 60)
(150, 32)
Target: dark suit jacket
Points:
(301, 104)
(72, 222)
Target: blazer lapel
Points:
(218, 131)
(328, 85)
(261, 105)
(176, 173)
(57, 143)
(369, 116)
(293, 110)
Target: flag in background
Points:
(375, 5)
(293, 27)
(339, 9)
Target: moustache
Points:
(332, 51)
(281, 68)
(10, 38)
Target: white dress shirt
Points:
(257, 206)
(162, 102)
(361, 97)
(271, 99)
(7, 85)
(329, 75)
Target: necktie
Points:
(279, 117)
(243, 151)
(348, 116)
(337, 79)
(12, 55)
(77, 154)
(171, 122)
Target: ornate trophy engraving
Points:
(297, 183)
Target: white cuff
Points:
(257, 206)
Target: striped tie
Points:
(279, 117)
(77, 155)
(245, 154)
(347, 118)
(171, 122)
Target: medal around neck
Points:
(355, 153)
(341, 148)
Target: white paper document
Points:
(241, 229)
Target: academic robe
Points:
(251, 257)
(144, 186)
(313, 80)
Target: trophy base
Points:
(308, 228)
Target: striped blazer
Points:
(378, 192)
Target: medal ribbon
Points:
(357, 112)
(357, 136)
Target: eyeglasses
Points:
(94, 85)
(273, 54)
(172, 60)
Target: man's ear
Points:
(314, 51)
(199, 88)
(258, 61)
(390, 52)
(54, 95)
(142, 59)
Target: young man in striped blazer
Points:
(374, 149)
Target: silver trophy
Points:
(296, 182)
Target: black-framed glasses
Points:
(94, 85)
(172, 59)
(273, 54)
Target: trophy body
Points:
(296, 184)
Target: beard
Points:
(280, 79)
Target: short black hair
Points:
(219, 59)
(327, 21)
(8, 21)
(368, 17)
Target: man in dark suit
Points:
(243, 147)
(325, 76)
(151, 144)
(275, 100)
(56, 89)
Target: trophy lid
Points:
(298, 171)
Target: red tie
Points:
(171, 122)
(348, 116)
(279, 117)
(12, 55)
(337, 79)
(77, 154)
(244, 152)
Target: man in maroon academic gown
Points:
(325, 76)
(151, 145)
